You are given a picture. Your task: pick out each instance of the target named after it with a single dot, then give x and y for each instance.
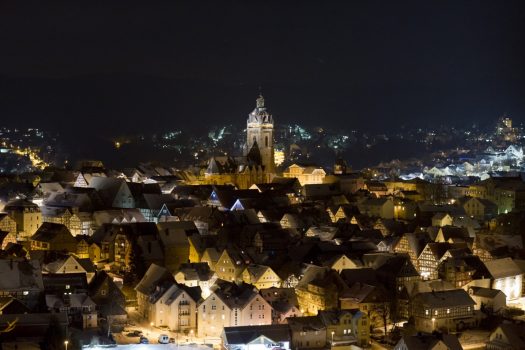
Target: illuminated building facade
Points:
(258, 163)
(27, 216)
(259, 134)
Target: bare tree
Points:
(383, 312)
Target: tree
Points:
(54, 337)
(137, 267)
(383, 313)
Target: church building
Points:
(257, 165)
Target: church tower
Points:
(259, 133)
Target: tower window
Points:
(254, 139)
(266, 141)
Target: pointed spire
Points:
(254, 155)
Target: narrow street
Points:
(152, 333)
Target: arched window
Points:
(266, 141)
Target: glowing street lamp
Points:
(333, 338)
(65, 343)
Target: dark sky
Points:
(114, 66)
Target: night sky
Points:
(121, 66)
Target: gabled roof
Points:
(150, 247)
(117, 216)
(7, 301)
(115, 295)
(365, 293)
(398, 266)
(281, 299)
(438, 249)
(174, 290)
(152, 278)
(49, 231)
(196, 271)
(221, 165)
(256, 271)
(275, 333)
(254, 155)
(57, 265)
(228, 197)
(422, 341)
(155, 201)
(440, 216)
(485, 292)
(515, 334)
(107, 187)
(305, 324)
(233, 295)
(20, 204)
(417, 287)
(501, 268)
(417, 241)
(446, 298)
(333, 317)
(176, 232)
(364, 275)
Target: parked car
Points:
(164, 339)
(172, 340)
(143, 340)
(135, 333)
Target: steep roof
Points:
(152, 278)
(175, 289)
(281, 299)
(233, 295)
(515, 334)
(246, 334)
(423, 341)
(254, 155)
(176, 232)
(305, 324)
(446, 298)
(20, 204)
(48, 231)
(501, 268)
(485, 292)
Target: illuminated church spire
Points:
(259, 132)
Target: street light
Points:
(65, 343)
(333, 338)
